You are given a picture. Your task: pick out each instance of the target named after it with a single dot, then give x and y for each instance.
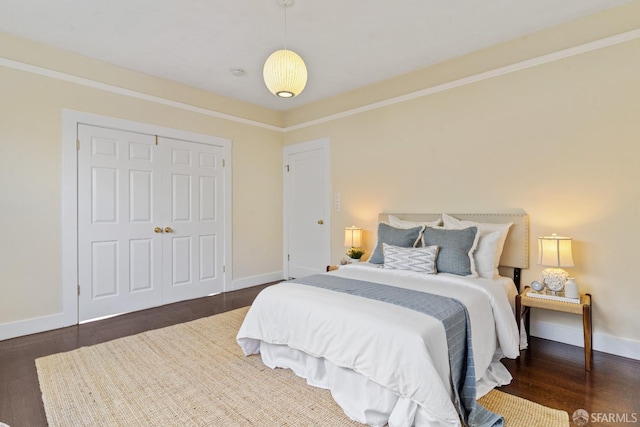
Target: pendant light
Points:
(284, 72)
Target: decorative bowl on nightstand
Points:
(537, 286)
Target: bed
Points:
(363, 331)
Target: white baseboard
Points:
(574, 336)
(59, 320)
(33, 326)
(248, 282)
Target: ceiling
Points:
(345, 44)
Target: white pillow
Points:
(490, 245)
(401, 223)
(485, 255)
(422, 259)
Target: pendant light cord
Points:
(285, 26)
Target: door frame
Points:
(324, 145)
(69, 209)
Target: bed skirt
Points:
(362, 399)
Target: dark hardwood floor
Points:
(553, 374)
(550, 373)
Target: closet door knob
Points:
(320, 222)
(158, 230)
(168, 230)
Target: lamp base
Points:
(554, 279)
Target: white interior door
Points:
(193, 248)
(151, 221)
(119, 255)
(307, 208)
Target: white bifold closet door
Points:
(150, 226)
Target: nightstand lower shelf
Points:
(524, 303)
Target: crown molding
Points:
(131, 93)
(518, 66)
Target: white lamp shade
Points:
(353, 237)
(555, 251)
(285, 73)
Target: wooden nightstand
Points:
(524, 303)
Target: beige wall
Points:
(558, 140)
(30, 176)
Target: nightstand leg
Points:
(518, 312)
(586, 326)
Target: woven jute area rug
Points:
(194, 374)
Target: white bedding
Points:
(383, 363)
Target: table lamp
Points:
(353, 241)
(554, 252)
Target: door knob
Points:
(158, 230)
(168, 230)
(320, 222)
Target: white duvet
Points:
(383, 363)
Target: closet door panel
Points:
(119, 195)
(193, 251)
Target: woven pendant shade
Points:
(285, 73)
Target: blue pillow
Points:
(402, 237)
(456, 249)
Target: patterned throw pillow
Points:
(422, 260)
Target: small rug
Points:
(194, 374)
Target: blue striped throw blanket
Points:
(453, 315)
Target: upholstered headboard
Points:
(516, 248)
